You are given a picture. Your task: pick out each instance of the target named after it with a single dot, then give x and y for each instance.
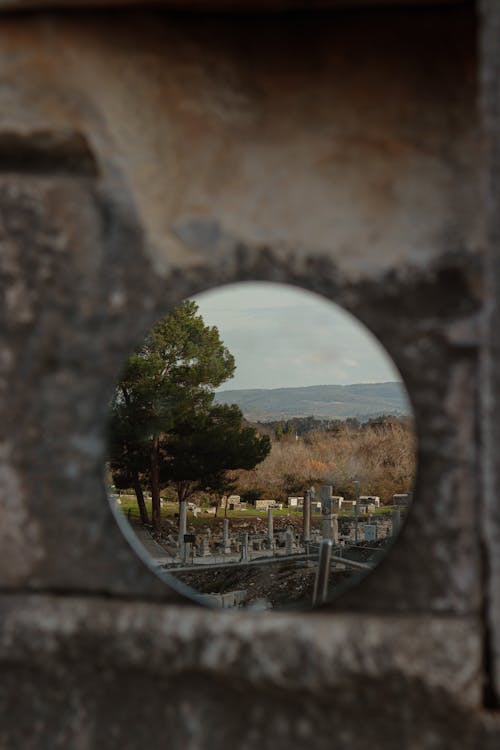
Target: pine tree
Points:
(164, 426)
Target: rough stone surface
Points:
(187, 666)
(355, 141)
(61, 285)
(145, 157)
(220, 185)
(490, 73)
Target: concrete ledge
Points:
(292, 652)
(88, 673)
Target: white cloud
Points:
(283, 336)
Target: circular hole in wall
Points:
(261, 447)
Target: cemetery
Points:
(154, 150)
(274, 559)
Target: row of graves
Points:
(237, 545)
(366, 503)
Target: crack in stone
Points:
(47, 152)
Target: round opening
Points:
(261, 446)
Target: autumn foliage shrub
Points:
(379, 454)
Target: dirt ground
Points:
(280, 585)
(285, 585)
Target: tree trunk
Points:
(155, 486)
(184, 491)
(136, 484)
(140, 499)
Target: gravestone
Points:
(370, 532)
(329, 511)
(244, 547)
(204, 550)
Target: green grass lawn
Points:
(169, 510)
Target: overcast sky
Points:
(282, 336)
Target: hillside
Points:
(361, 400)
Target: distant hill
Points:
(361, 400)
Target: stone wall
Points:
(146, 155)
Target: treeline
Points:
(379, 454)
(283, 428)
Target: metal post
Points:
(306, 519)
(322, 574)
(356, 510)
(182, 530)
(225, 537)
(182, 521)
(270, 528)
